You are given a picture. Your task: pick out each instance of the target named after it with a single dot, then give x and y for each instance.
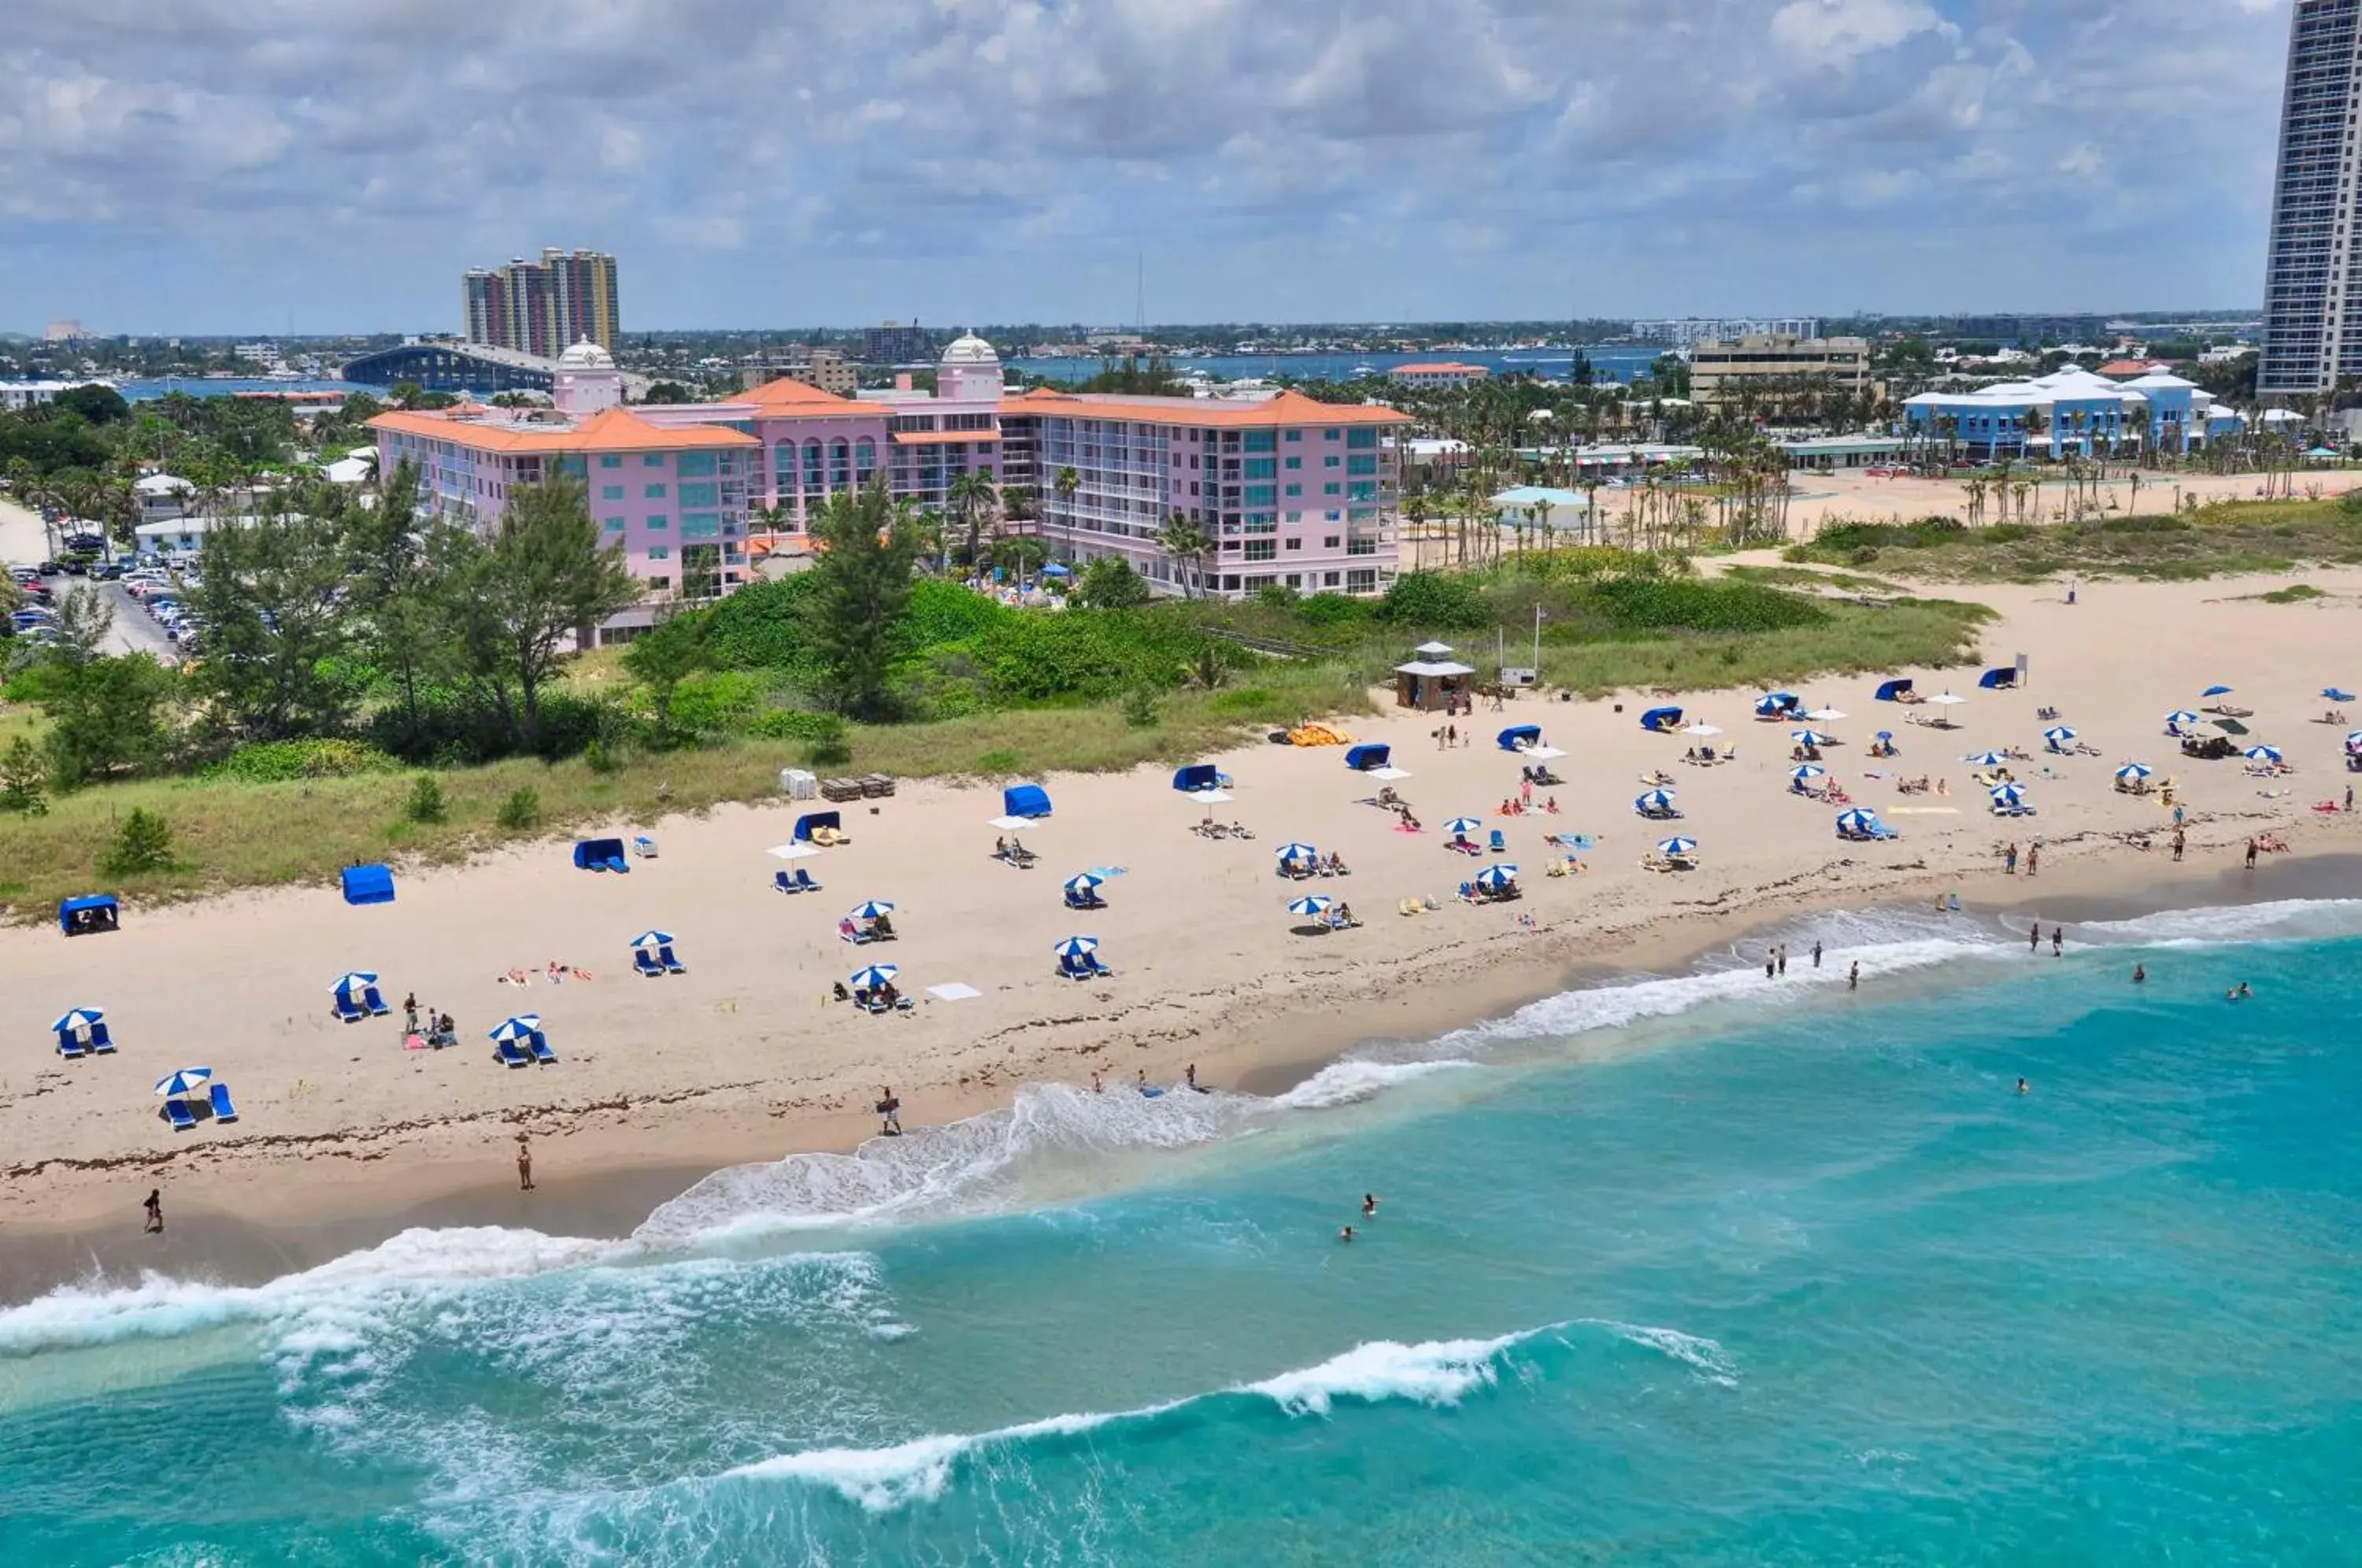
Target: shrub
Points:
(600, 757)
(144, 843)
(24, 776)
(719, 699)
(1140, 708)
(425, 803)
(764, 625)
(794, 723)
(278, 762)
(1434, 599)
(1333, 610)
(1701, 606)
(828, 754)
(522, 811)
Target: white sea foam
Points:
(1356, 1078)
(1435, 1372)
(2282, 920)
(1702, 1355)
(883, 1479)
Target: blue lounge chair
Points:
(69, 1044)
(100, 1040)
(374, 1001)
(539, 1045)
(1073, 969)
(1084, 900)
(348, 1009)
(1092, 966)
(645, 962)
(673, 965)
(805, 881)
(223, 1109)
(512, 1055)
(177, 1112)
(1500, 842)
(785, 883)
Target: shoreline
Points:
(603, 1187)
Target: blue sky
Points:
(240, 165)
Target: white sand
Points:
(744, 1057)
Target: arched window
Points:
(840, 465)
(783, 470)
(812, 468)
(864, 459)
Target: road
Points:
(23, 542)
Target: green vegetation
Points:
(143, 843)
(2210, 541)
(1804, 577)
(2294, 593)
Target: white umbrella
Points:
(359, 980)
(1701, 728)
(1985, 759)
(1081, 882)
(187, 1081)
(2264, 754)
(1947, 698)
(2133, 772)
(1826, 715)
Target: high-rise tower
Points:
(2312, 297)
(544, 307)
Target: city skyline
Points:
(1001, 161)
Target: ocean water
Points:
(1618, 363)
(1693, 1269)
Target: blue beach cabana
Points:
(90, 913)
(368, 885)
(1895, 692)
(1197, 776)
(1520, 737)
(810, 820)
(600, 855)
(2001, 679)
(1027, 801)
(1663, 721)
(1369, 756)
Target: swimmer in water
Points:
(2140, 974)
(2021, 1086)
(1369, 1205)
(1346, 1234)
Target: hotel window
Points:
(659, 521)
(864, 459)
(611, 492)
(1362, 581)
(611, 460)
(1295, 517)
(1365, 437)
(615, 524)
(659, 552)
(1330, 435)
(1262, 468)
(1295, 544)
(1362, 465)
(1295, 462)
(1331, 461)
(700, 525)
(660, 583)
(1366, 489)
(1262, 440)
(651, 461)
(812, 468)
(1333, 517)
(840, 465)
(1262, 549)
(1332, 488)
(1261, 495)
(1294, 490)
(1329, 541)
(701, 495)
(1328, 580)
(1296, 434)
(653, 492)
(693, 465)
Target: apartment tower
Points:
(2313, 298)
(544, 307)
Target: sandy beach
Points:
(345, 1136)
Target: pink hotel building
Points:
(1293, 490)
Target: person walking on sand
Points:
(2034, 859)
(1098, 1084)
(2009, 861)
(2251, 854)
(2181, 842)
(889, 1111)
(525, 1164)
(1853, 976)
(154, 1208)
(410, 1013)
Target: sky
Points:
(317, 166)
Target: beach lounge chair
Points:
(511, 1055)
(177, 1113)
(645, 962)
(100, 1040)
(1084, 900)
(70, 1046)
(1073, 969)
(223, 1109)
(538, 1043)
(784, 883)
(1410, 907)
(672, 964)
(1500, 842)
(645, 847)
(1096, 970)
(374, 1001)
(348, 1007)
(805, 881)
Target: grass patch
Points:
(2294, 593)
(2226, 540)
(1804, 577)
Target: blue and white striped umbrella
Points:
(651, 940)
(1654, 801)
(359, 980)
(2180, 719)
(1811, 737)
(524, 1026)
(80, 1019)
(1774, 702)
(1464, 825)
(1985, 759)
(2008, 795)
(872, 909)
(1297, 852)
(1857, 820)
(1807, 771)
(873, 975)
(1677, 846)
(1082, 882)
(187, 1081)
(1499, 875)
(2058, 734)
(2264, 754)
(1310, 907)
(2133, 772)
(1073, 947)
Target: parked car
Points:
(90, 542)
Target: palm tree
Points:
(971, 500)
(1065, 484)
(1188, 543)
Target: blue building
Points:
(2072, 412)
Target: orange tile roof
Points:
(2129, 367)
(938, 437)
(1287, 408)
(786, 396)
(609, 430)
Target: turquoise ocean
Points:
(1688, 1269)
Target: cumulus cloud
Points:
(204, 165)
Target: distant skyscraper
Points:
(2312, 299)
(544, 307)
(892, 343)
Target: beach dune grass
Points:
(2224, 539)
